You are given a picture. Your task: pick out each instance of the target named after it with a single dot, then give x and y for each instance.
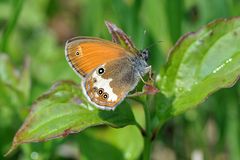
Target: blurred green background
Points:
(32, 39)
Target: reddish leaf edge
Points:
(16, 142)
(188, 34)
(67, 132)
(181, 40)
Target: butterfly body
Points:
(139, 63)
(108, 70)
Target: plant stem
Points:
(17, 4)
(143, 132)
(147, 148)
(147, 138)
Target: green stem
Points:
(147, 138)
(143, 132)
(17, 4)
(147, 148)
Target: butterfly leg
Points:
(150, 80)
(150, 76)
(136, 94)
(149, 87)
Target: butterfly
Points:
(109, 69)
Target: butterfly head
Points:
(144, 54)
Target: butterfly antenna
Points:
(153, 44)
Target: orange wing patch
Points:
(85, 54)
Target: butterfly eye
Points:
(77, 53)
(101, 71)
(105, 96)
(100, 91)
(144, 54)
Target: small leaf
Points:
(8, 74)
(65, 110)
(201, 63)
(15, 84)
(150, 89)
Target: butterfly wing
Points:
(86, 53)
(109, 83)
(121, 38)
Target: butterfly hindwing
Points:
(121, 38)
(106, 88)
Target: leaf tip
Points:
(13, 147)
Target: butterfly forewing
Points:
(85, 54)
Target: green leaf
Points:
(110, 143)
(24, 82)
(115, 137)
(14, 85)
(119, 137)
(201, 63)
(99, 148)
(65, 110)
(8, 73)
